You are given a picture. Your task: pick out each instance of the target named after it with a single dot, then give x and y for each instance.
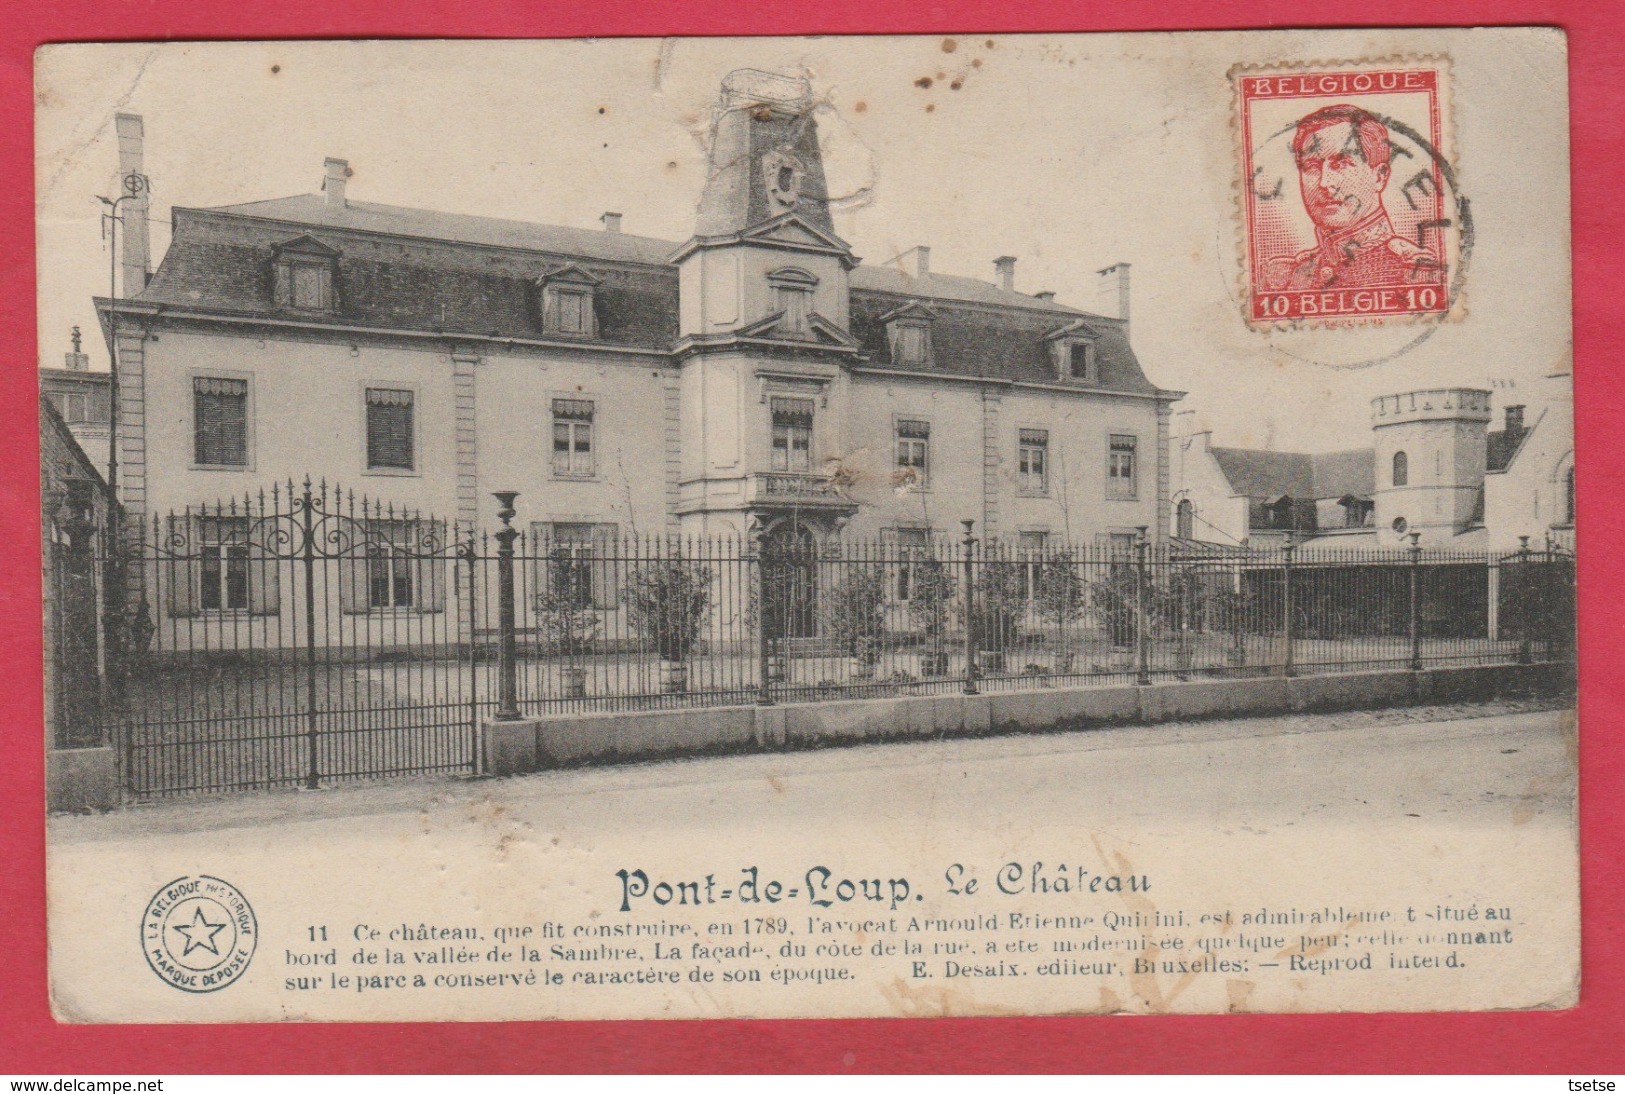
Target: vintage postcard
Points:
(843, 527)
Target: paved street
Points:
(1459, 764)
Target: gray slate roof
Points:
(415, 269)
(1257, 473)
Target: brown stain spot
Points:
(976, 62)
(603, 110)
(1237, 993)
(957, 84)
(859, 107)
(949, 45)
(671, 165)
(923, 82)
(929, 107)
(776, 783)
(988, 44)
(275, 69)
(1110, 1001)
(942, 75)
(762, 113)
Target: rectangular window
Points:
(1032, 461)
(792, 434)
(913, 550)
(390, 439)
(1120, 467)
(575, 313)
(913, 453)
(304, 285)
(796, 304)
(391, 573)
(908, 344)
(223, 563)
(576, 563)
(74, 406)
(1081, 361)
(220, 422)
(1030, 556)
(572, 439)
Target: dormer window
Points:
(908, 331)
(1075, 353)
(793, 300)
(304, 270)
(569, 302)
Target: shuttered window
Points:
(390, 440)
(1121, 469)
(913, 453)
(220, 421)
(572, 439)
(1032, 461)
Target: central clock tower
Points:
(764, 323)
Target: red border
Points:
(1586, 1039)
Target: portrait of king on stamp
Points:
(1346, 211)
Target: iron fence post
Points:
(764, 642)
(308, 552)
(1526, 651)
(1416, 601)
(970, 608)
(469, 552)
(507, 668)
(1142, 636)
(1288, 551)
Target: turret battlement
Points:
(1433, 404)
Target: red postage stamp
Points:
(1350, 209)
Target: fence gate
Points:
(300, 638)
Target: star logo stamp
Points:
(1349, 205)
(198, 933)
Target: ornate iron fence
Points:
(308, 636)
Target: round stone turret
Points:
(1430, 452)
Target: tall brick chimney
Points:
(136, 257)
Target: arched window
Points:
(1402, 471)
(1184, 519)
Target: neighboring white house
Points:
(1435, 467)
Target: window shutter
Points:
(389, 429)
(605, 586)
(429, 576)
(284, 285)
(352, 572)
(220, 421)
(182, 572)
(264, 576)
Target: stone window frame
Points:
(416, 471)
(574, 282)
(305, 252)
(595, 436)
(196, 374)
(793, 288)
(1117, 493)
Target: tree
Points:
(668, 602)
(931, 590)
(854, 613)
(1061, 597)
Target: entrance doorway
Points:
(790, 582)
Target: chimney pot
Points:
(922, 261)
(1514, 419)
(75, 359)
(1005, 267)
(611, 222)
(333, 185)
